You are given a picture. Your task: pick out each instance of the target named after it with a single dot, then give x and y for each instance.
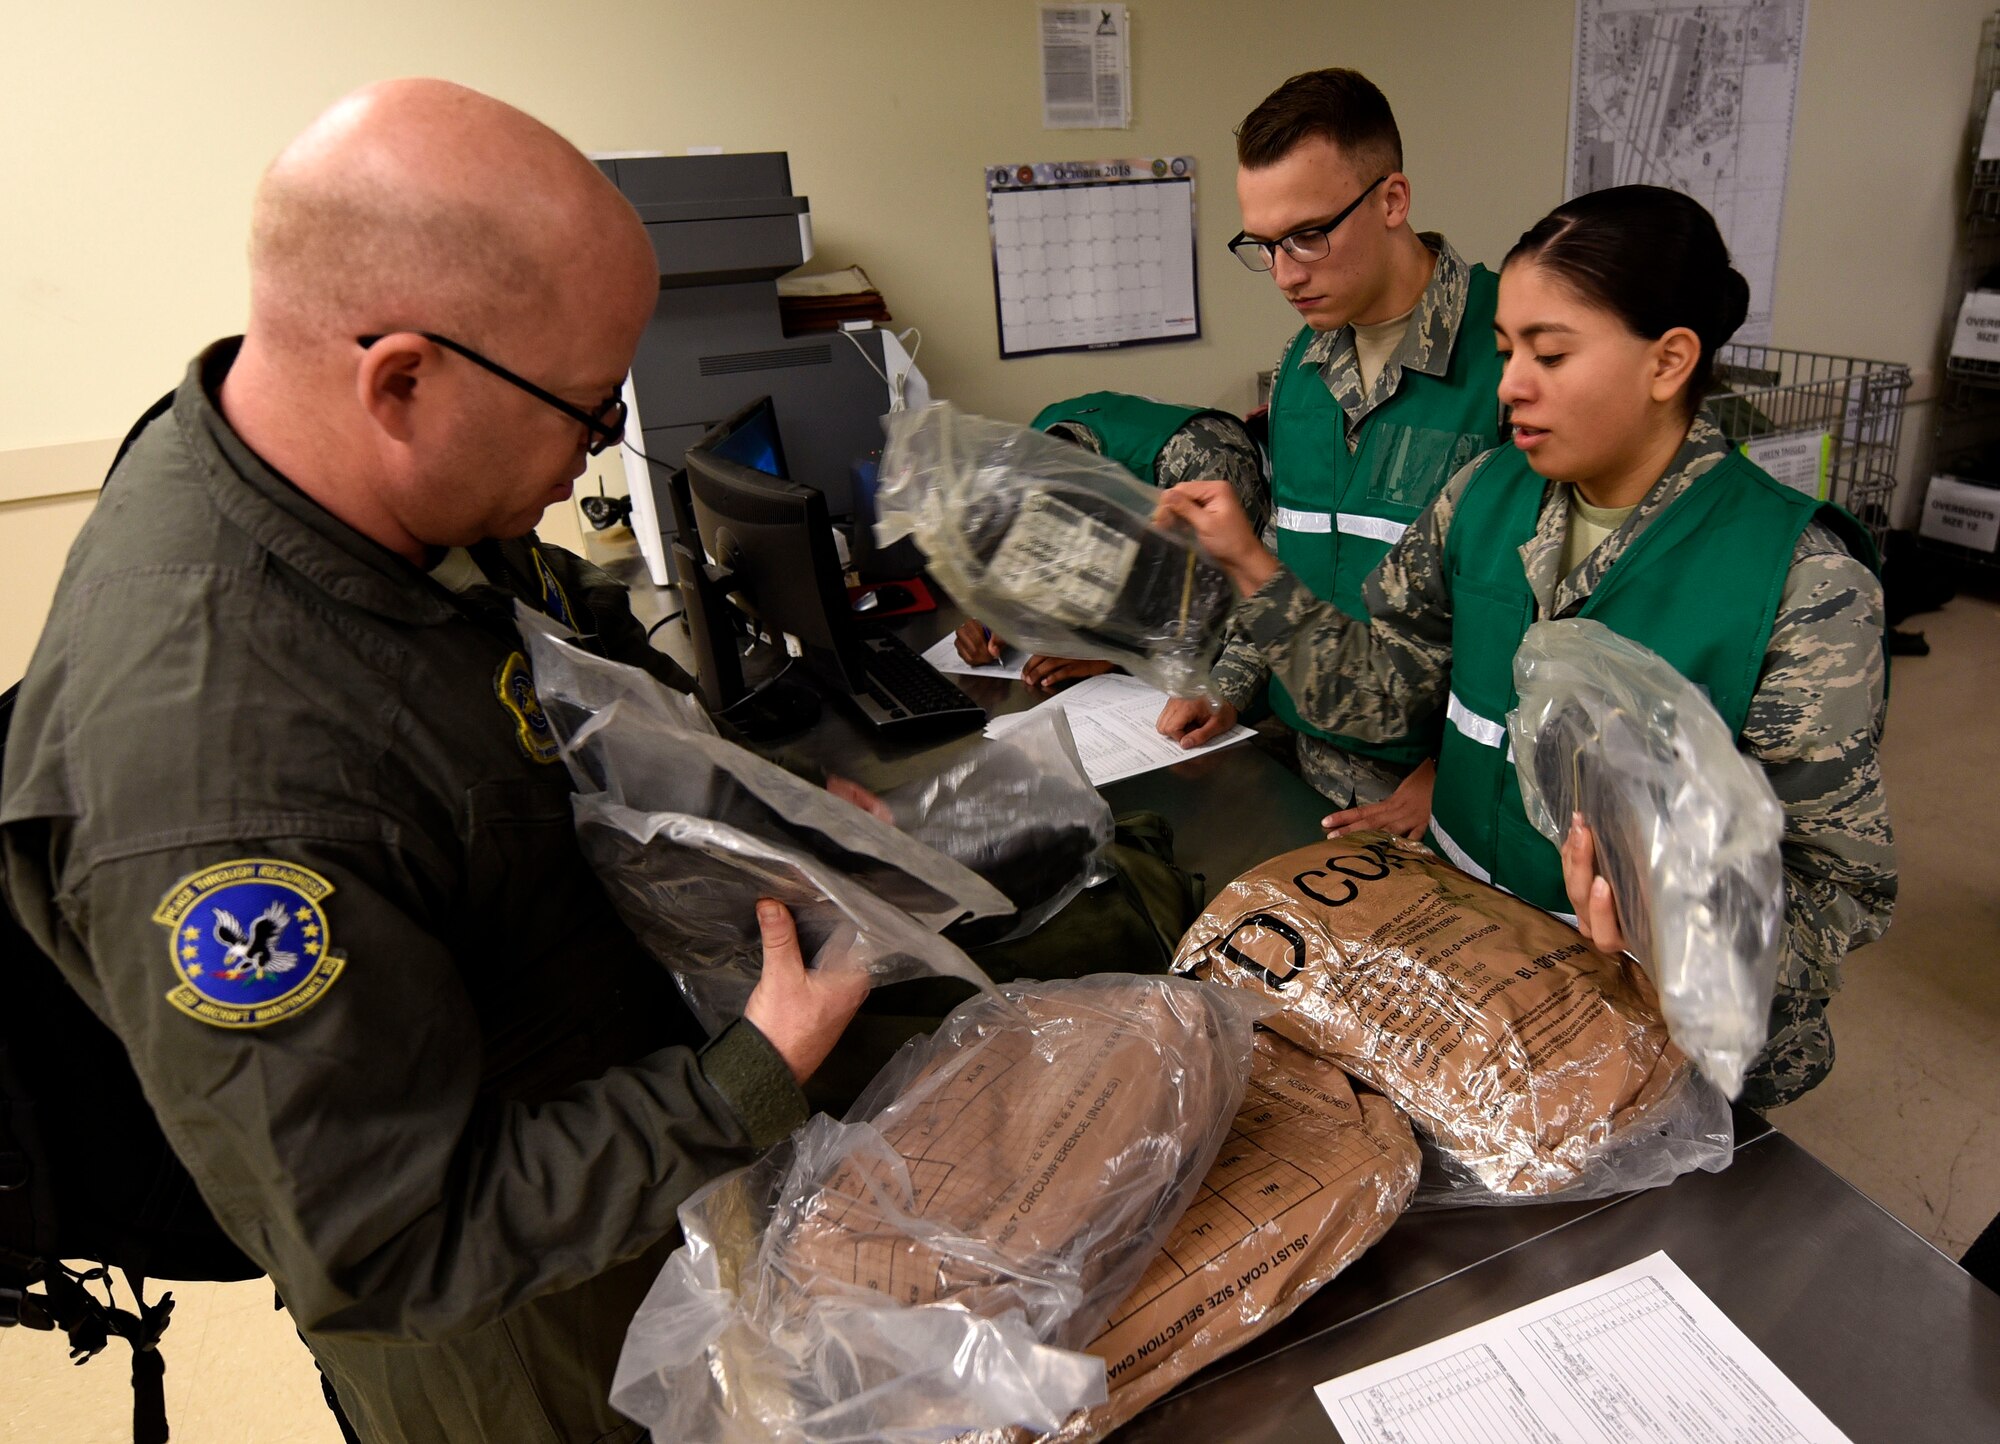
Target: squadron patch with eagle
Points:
(249, 942)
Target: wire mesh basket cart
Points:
(1982, 199)
(1768, 395)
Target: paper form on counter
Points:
(1637, 1356)
(943, 655)
(1113, 717)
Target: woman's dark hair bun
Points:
(1732, 304)
(1651, 256)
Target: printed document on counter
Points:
(1637, 1356)
(1113, 718)
(943, 655)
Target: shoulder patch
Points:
(249, 941)
(515, 685)
(555, 601)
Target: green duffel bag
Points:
(1131, 923)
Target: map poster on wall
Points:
(1090, 254)
(1700, 98)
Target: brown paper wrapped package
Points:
(1312, 1174)
(1045, 1163)
(1522, 1051)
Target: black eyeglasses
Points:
(1308, 243)
(605, 424)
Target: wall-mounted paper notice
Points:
(1638, 1356)
(1086, 68)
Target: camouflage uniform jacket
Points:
(1814, 722)
(1210, 447)
(1240, 673)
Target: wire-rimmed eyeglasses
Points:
(1308, 243)
(605, 423)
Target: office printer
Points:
(724, 228)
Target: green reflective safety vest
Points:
(1700, 586)
(1132, 430)
(1338, 513)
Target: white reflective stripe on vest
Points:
(1464, 863)
(1456, 853)
(1478, 728)
(1378, 527)
(1317, 523)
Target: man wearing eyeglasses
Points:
(281, 803)
(1387, 389)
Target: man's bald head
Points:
(419, 204)
(414, 207)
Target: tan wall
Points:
(135, 133)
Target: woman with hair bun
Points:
(1618, 499)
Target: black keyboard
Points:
(901, 692)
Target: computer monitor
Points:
(772, 541)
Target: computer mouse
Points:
(891, 598)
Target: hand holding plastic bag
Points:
(930, 1266)
(687, 830)
(1688, 830)
(1051, 546)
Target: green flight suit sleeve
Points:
(348, 1148)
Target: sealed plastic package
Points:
(1687, 828)
(1534, 1064)
(933, 1265)
(687, 830)
(1019, 811)
(1051, 546)
(1313, 1173)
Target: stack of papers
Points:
(825, 302)
(1637, 1356)
(1113, 718)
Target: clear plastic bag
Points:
(687, 830)
(1051, 546)
(1020, 811)
(1312, 1174)
(931, 1266)
(688, 889)
(1689, 1128)
(1688, 830)
(1537, 1064)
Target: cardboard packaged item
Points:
(1535, 1063)
(1038, 1151)
(1311, 1175)
(934, 1265)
